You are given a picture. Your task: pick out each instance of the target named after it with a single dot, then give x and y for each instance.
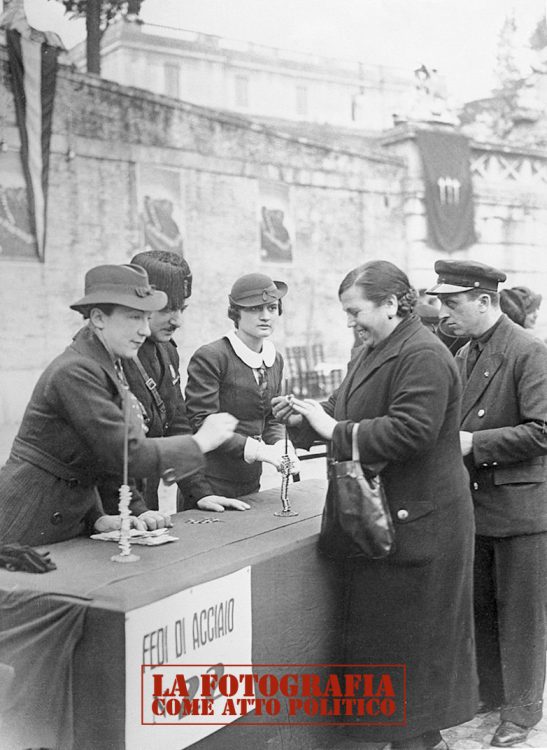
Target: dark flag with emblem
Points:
(448, 190)
(33, 66)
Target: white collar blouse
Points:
(252, 359)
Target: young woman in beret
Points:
(72, 434)
(240, 373)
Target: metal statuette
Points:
(285, 474)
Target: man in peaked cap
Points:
(153, 376)
(504, 442)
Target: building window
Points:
(301, 101)
(171, 80)
(242, 91)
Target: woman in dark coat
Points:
(240, 373)
(72, 434)
(415, 606)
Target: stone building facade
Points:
(345, 206)
(250, 78)
(349, 200)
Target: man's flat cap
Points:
(462, 275)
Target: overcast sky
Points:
(458, 37)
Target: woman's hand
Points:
(316, 416)
(283, 411)
(288, 450)
(113, 523)
(215, 430)
(219, 504)
(275, 455)
(153, 520)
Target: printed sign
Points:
(275, 222)
(206, 624)
(161, 209)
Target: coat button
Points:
(480, 413)
(56, 519)
(475, 485)
(402, 514)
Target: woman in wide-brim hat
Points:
(240, 373)
(72, 433)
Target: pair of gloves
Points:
(23, 557)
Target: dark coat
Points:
(415, 606)
(218, 381)
(71, 438)
(161, 363)
(505, 407)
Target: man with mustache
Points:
(154, 378)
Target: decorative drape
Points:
(448, 189)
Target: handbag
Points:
(356, 520)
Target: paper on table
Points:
(146, 538)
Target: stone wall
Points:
(348, 205)
(510, 196)
(346, 208)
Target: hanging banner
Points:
(33, 66)
(448, 190)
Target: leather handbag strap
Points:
(354, 445)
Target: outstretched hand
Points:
(215, 430)
(283, 411)
(314, 413)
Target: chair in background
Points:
(309, 376)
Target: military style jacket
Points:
(161, 363)
(71, 439)
(505, 407)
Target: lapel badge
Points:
(175, 377)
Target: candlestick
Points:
(124, 544)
